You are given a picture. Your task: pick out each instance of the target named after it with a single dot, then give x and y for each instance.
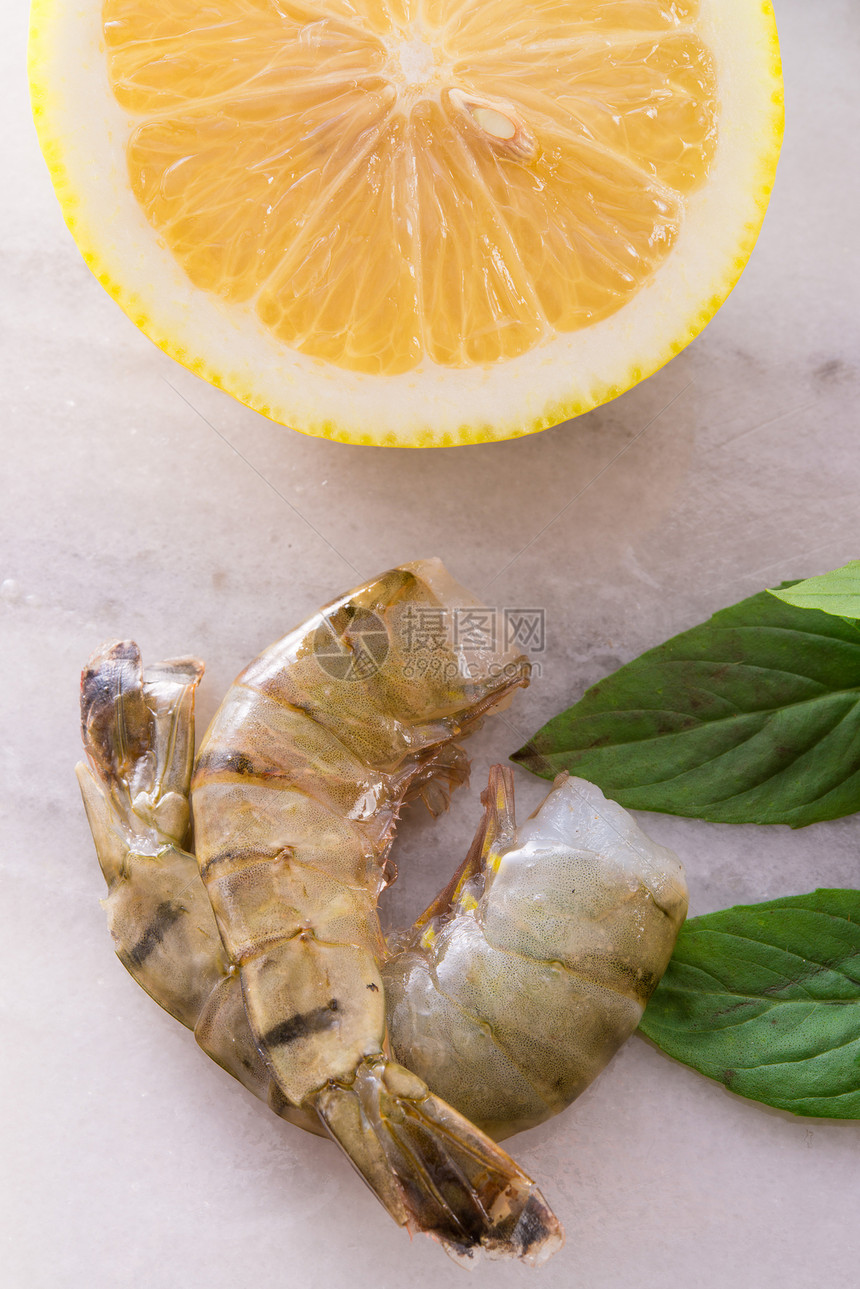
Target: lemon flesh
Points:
(414, 224)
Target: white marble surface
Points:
(138, 501)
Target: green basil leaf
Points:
(837, 592)
(752, 717)
(765, 998)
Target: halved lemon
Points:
(412, 222)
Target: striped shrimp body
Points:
(138, 732)
(298, 786)
(536, 963)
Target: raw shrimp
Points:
(509, 994)
(298, 786)
(536, 962)
(451, 1025)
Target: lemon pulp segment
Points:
(388, 182)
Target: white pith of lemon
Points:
(487, 123)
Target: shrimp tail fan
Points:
(434, 1170)
(138, 733)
